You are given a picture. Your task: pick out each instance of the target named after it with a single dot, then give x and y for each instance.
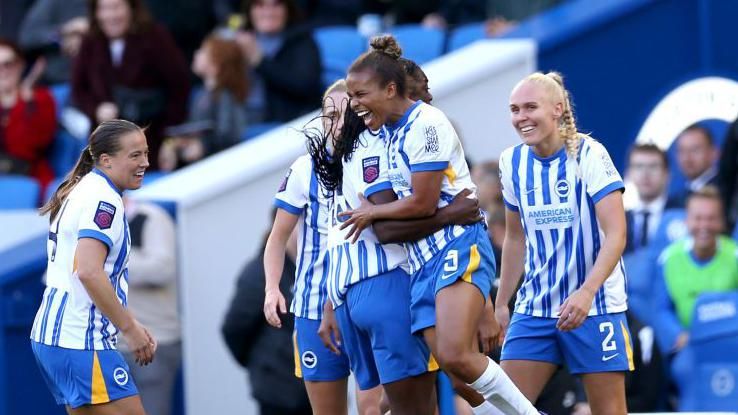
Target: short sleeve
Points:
(598, 171)
(102, 219)
(294, 191)
(374, 169)
(429, 143)
(508, 192)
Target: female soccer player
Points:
(302, 201)
(84, 304)
(454, 265)
(376, 335)
(565, 217)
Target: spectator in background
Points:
(696, 155)
(706, 261)
(217, 119)
(11, 15)
(152, 296)
(648, 169)
(54, 29)
(189, 21)
(284, 61)
(27, 118)
(499, 15)
(264, 350)
(129, 67)
(728, 174)
(486, 176)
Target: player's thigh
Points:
(328, 398)
(130, 405)
(529, 376)
(605, 392)
(413, 395)
(369, 402)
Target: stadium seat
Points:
(672, 227)
(639, 268)
(464, 35)
(152, 176)
(61, 93)
(19, 192)
(339, 46)
(419, 43)
(713, 342)
(51, 188)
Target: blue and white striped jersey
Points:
(563, 236)
(302, 195)
(365, 173)
(424, 140)
(67, 316)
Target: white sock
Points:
(485, 408)
(500, 391)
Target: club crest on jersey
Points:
(563, 188)
(371, 168)
(120, 376)
(309, 359)
(283, 186)
(104, 215)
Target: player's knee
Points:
(455, 359)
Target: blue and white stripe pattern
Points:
(67, 316)
(301, 194)
(424, 140)
(353, 263)
(556, 198)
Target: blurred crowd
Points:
(201, 75)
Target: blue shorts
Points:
(84, 377)
(313, 361)
(467, 258)
(375, 327)
(600, 344)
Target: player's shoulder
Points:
(507, 154)
(590, 144)
(94, 187)
(428, 114)
(303, 165)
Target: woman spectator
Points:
(27, 118)
(129, 67)
(284, 61)
(217, 118)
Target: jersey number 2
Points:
(608, 344)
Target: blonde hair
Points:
(553, 83)
(338, 86)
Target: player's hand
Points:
(359, 218)
(274, 303)
(575, 309)
(463, 210)
(328, 330)
(488, 330)
(141, 343)
(502, 316)
(29, 82)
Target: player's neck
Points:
(547, 148)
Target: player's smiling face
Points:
(368, 99)
(127, 166)
(535, 115)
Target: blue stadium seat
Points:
(339, 46)
(51, 188)
(61, 93)
(152, 176)
(466, 34)
(419, 43)
(19, 192)
(672, 227)
(65, 148)
(639, 268)
(713, 342)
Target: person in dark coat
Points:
(284, 62)
(266, 351)
(129, 67)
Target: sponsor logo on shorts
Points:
(606, 358)
(309, 359)
(120, 376)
